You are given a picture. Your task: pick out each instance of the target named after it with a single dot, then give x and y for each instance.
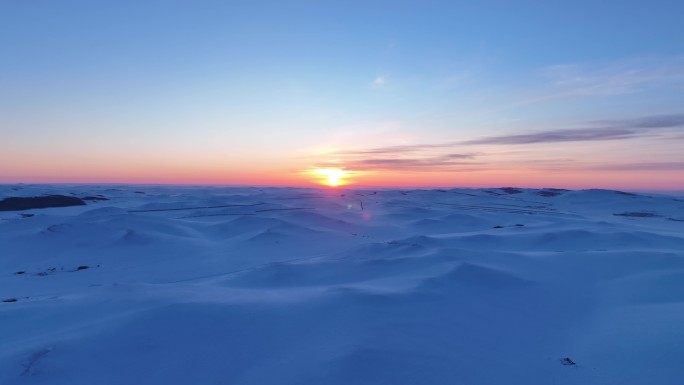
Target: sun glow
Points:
(332, 177)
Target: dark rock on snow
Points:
(42, 202)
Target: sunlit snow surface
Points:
(215, 285)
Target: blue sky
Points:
(256, 92)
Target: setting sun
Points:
(332, 177)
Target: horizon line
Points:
(323, 187)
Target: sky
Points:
(567, 94)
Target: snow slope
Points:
(212, 285)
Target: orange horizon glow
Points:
(331, 177)
(212, 170)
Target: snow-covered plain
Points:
(259, 286)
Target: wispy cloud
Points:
(578, 80)
(552, 136)
(408, 157)
(425, 163)
(599, 130)
(614, 78)
(436, 156)
(380, 81)
(658, 121)
(391, 46)
(403, 149)
(603, 130)
(643, 166)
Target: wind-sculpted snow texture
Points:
(244, 286)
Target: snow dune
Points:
(211, 285)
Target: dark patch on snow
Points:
(53, 270)
(511, 190)
(548, 193)
(47, 272)
(515, 225)
(287, 209)
(193, 208)
(95, 198)
(42, 202)
(638, 214)
(33, 360)
(625, 193)
(56, 228)
(567, 361)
